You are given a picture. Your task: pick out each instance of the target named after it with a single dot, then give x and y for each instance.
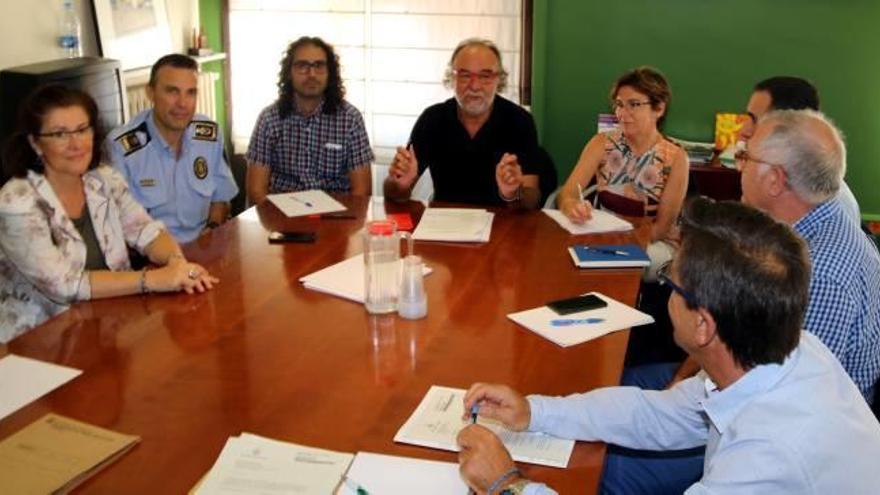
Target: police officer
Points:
(174, 163)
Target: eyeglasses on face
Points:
(742, 157)
(483, 77)
(65, 135)
(631, 105)
(663, 278)
(303, 66)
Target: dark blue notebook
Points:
(609, 256)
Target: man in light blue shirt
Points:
(173, 159)
(773, 406)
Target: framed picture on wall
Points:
(135, 32)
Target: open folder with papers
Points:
(344, 279)
(576, 328)
(302, 203)
(437, 421)
(602, 221)
(454, 225)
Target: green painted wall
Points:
(211, 19)
(712, 52)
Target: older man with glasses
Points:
(310, 137)
(479, 147)
(774, 409)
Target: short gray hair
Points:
(448, 77)
(810, 149)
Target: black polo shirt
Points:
(463, 169)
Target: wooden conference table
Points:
(262, 354)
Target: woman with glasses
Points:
(66, 220)
(634, 164)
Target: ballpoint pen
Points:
(475, 409)
(616, 252)
(581, 193)
(302, 201)
(354, 486)
(567, 322)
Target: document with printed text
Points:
(437, 421)
(254, 464)
(454, 225)
(344, 279)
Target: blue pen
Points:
(567, 322)
(614, 252)
(475, 409)
(301, 201)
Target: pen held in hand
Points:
(567, 322)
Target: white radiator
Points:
(138, 101)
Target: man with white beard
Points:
(480, 148)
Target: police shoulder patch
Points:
(134, 139)
(204, 130)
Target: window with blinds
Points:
(393, 54)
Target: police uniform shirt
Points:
(177, 191)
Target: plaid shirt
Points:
(844, 307)
(310, 152)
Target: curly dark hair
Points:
(335, 91)
(18, 155)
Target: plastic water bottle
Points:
(69, 33)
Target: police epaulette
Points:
(131, 141)
(204, 130)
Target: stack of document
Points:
(23, 380)
(344, 279)
(392, 475)
(55, 454)
(576, 328)
(602, 221)
(437, 421)
(253, 464)
(454, 225)
(301, 203)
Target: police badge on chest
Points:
(200, 167)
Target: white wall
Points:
(28, 28)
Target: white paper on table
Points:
(602, 221)
(24, 380)
(344, 279)
(393, 475)
(253, 464)
(617, 316)
(297, 204)
(437, 420)
(454, 225)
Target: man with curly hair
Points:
(310, 137)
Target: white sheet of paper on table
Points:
(302, 203)
(344, 279)
(602, 221)
(24, 380)
(437, 420)
(616, 316)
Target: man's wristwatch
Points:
(517, 488)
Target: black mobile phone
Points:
(577, 304)
(282, 237)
